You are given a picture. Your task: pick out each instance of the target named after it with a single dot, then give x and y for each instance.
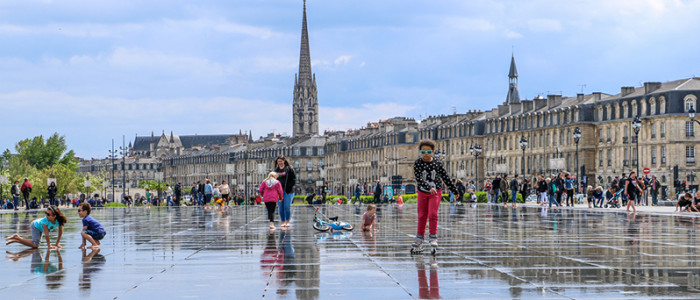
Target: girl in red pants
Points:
(429, 173)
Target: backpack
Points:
(554, 188)
(621, 183)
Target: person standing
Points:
(377, 191)
(654, 187)
(514, 191)
(525, 189)
(460, 190)
(324, 191)
(542, 190)
(569, 187)
(193, 194)
(504, 189)
(208, 192)
(225, 191)
(496, 188)
(15, 190)
(358, 193)
(632, 190)
(559, 183)
(286, 177)
(178, 193)
(200, 192)
(26, 190)
(52, 190)
(169, 195)
(430, 175)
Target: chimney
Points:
(626, 90)
(597, 96)
(651, 86)
(553, 100)
(527, 105)
(579, 97)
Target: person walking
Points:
(15, 190)
(225, 191)
(377, 192)
(460, 190)
(552, 192)
(208, 192)
(633, 191)
(26, 190)
(271, 191)
(193, 193)
(358, 193)
(496, 188)
(541, 187)
(559, 182)
(287, 178)
(200, 192)
(324, 191)
(169, 195)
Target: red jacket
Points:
(26, 185)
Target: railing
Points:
(609, 162)
(634, 139)
(626, 163)
(625, 139)
(690, 160)
(634, 162)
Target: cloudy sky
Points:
(97, 70)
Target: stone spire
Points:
(305, 105)
(513, 94)
(250, 136)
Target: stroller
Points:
(614, 202)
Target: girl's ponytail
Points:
(60, 217)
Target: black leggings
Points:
(570, 197)
(271, 210)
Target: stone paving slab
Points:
(486, 252)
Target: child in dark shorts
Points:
(684, 202)
(92, 230)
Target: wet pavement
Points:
(485, 252)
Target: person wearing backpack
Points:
(15, 190)
(513, 190)
(569, 187)
(496, 188)
(551, 192)
(559, 183)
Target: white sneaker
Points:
(433, 240)
(417, 242)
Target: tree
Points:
(40, 154)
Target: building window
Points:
(296, 165)
(600, 158)
(297, 152)
(663, 129)
(609, 157)
(309, 165)
(689, 102)
(653, 155)
(689, 129)
(653, 130)
(663, 154)
(690, 154)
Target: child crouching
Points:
(54, 220)
(92, 230)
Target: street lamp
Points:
(637, 125)
(523, 145)
(691, 114)
(112, 156)
(124, 152)
(476, 151)
(577, 137)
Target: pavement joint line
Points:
(364, 253)
(220, 237)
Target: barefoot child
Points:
(369, 219)
(92, 230)
(54, 219)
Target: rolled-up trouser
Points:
(286, 207)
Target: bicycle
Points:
(325, 223)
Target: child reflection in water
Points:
(92, 263)
(428, 289)
(54, 274)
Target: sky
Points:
(94, 71)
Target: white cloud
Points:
(469, 24)
(544, 25)
(343, 59)
(512, 34)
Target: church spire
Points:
(305, 75)
(305, 105)
(513, 94)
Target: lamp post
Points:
(112, 156)
(523, 145)
(577, 137)
(476, 151)
(123, 152)
(637, 125)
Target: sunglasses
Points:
(426, 152)
(48, 214)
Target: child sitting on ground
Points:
(369, 219)
(92, 230)
(684, 202)
(54, 219)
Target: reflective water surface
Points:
(485, 252)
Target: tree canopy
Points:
(41, 154)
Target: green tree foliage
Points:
(153, 185)
(41, 154)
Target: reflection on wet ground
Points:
(485, 252)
